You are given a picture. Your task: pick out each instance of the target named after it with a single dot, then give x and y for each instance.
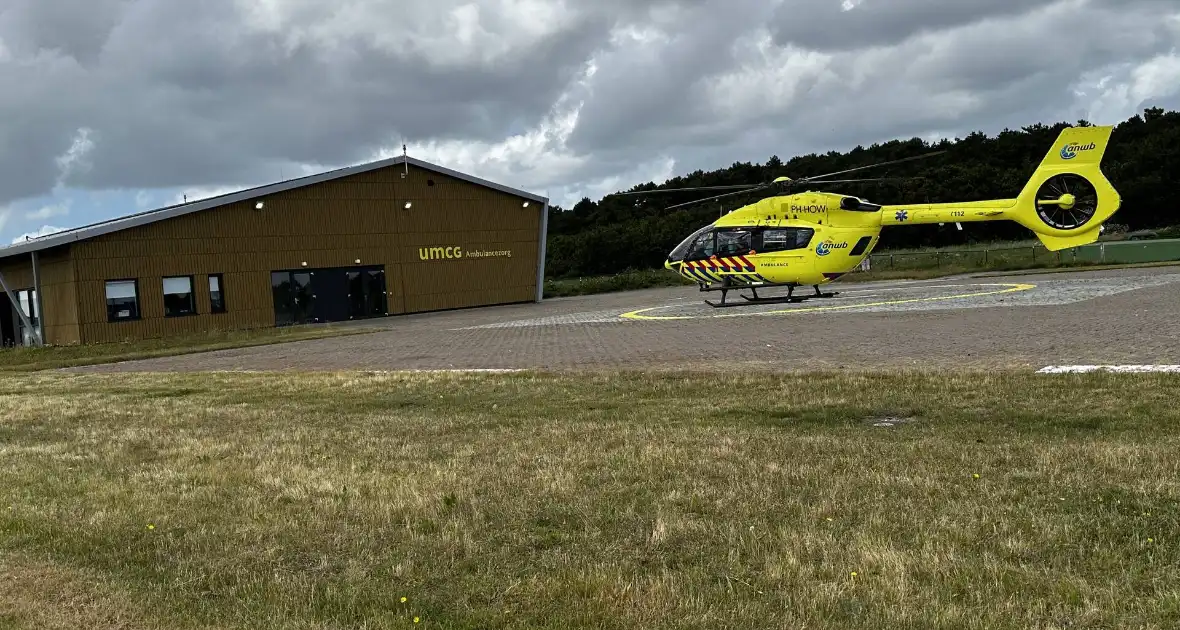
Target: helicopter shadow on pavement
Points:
(964, 292)
(960, 293)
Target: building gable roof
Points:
(151, 216)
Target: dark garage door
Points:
(305, 296)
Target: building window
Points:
(216, 294)
(28, 306)
(28, 300)
(178, 296)
(122, 300)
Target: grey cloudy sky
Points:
(110, 106)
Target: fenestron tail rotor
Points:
(1066, 201)
(1067, 198)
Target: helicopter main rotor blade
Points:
(877, 165)
(676, 190)
(866, 179)
(740, 192)
(791, 184)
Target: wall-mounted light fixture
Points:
(258, 206)
(408, 205)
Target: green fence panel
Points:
(1119, 252)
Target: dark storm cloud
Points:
(238, 92)
(182, 93)
(76, 29)
(639, 88)
(1011, 69)
(251, 101)
(1023, 80)
(828, 25)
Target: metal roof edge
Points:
(475, 180)
(117, 224)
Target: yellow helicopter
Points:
(812, 238)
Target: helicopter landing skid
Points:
(790, 297)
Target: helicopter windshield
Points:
(697, 242)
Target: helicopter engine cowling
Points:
(858, 205)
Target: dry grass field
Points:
(284, 501)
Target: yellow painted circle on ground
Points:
(1011, 288)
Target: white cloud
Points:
(74, 159)
(441, 32)
(1113, 93)
(50, 210)
(1157, 78)
(768, 80)
(532, 160)
(5, 213)
(44, 231)
(658, 170)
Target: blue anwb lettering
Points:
(826, 247)
(1071, 150)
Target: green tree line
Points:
(618, 233)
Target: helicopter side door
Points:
(782, 254)
(735, 242)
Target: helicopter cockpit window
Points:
(783, 239)
(702, 247)
(689, 244)
(734, 242)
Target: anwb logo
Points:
(1071, 150)
(826, 247)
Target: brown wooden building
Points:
(395, 236)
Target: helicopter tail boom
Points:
(1064, 203)
(927, 213)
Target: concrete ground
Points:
(1011, 321)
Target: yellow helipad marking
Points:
(1011, 288)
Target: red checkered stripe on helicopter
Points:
(712, 269)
